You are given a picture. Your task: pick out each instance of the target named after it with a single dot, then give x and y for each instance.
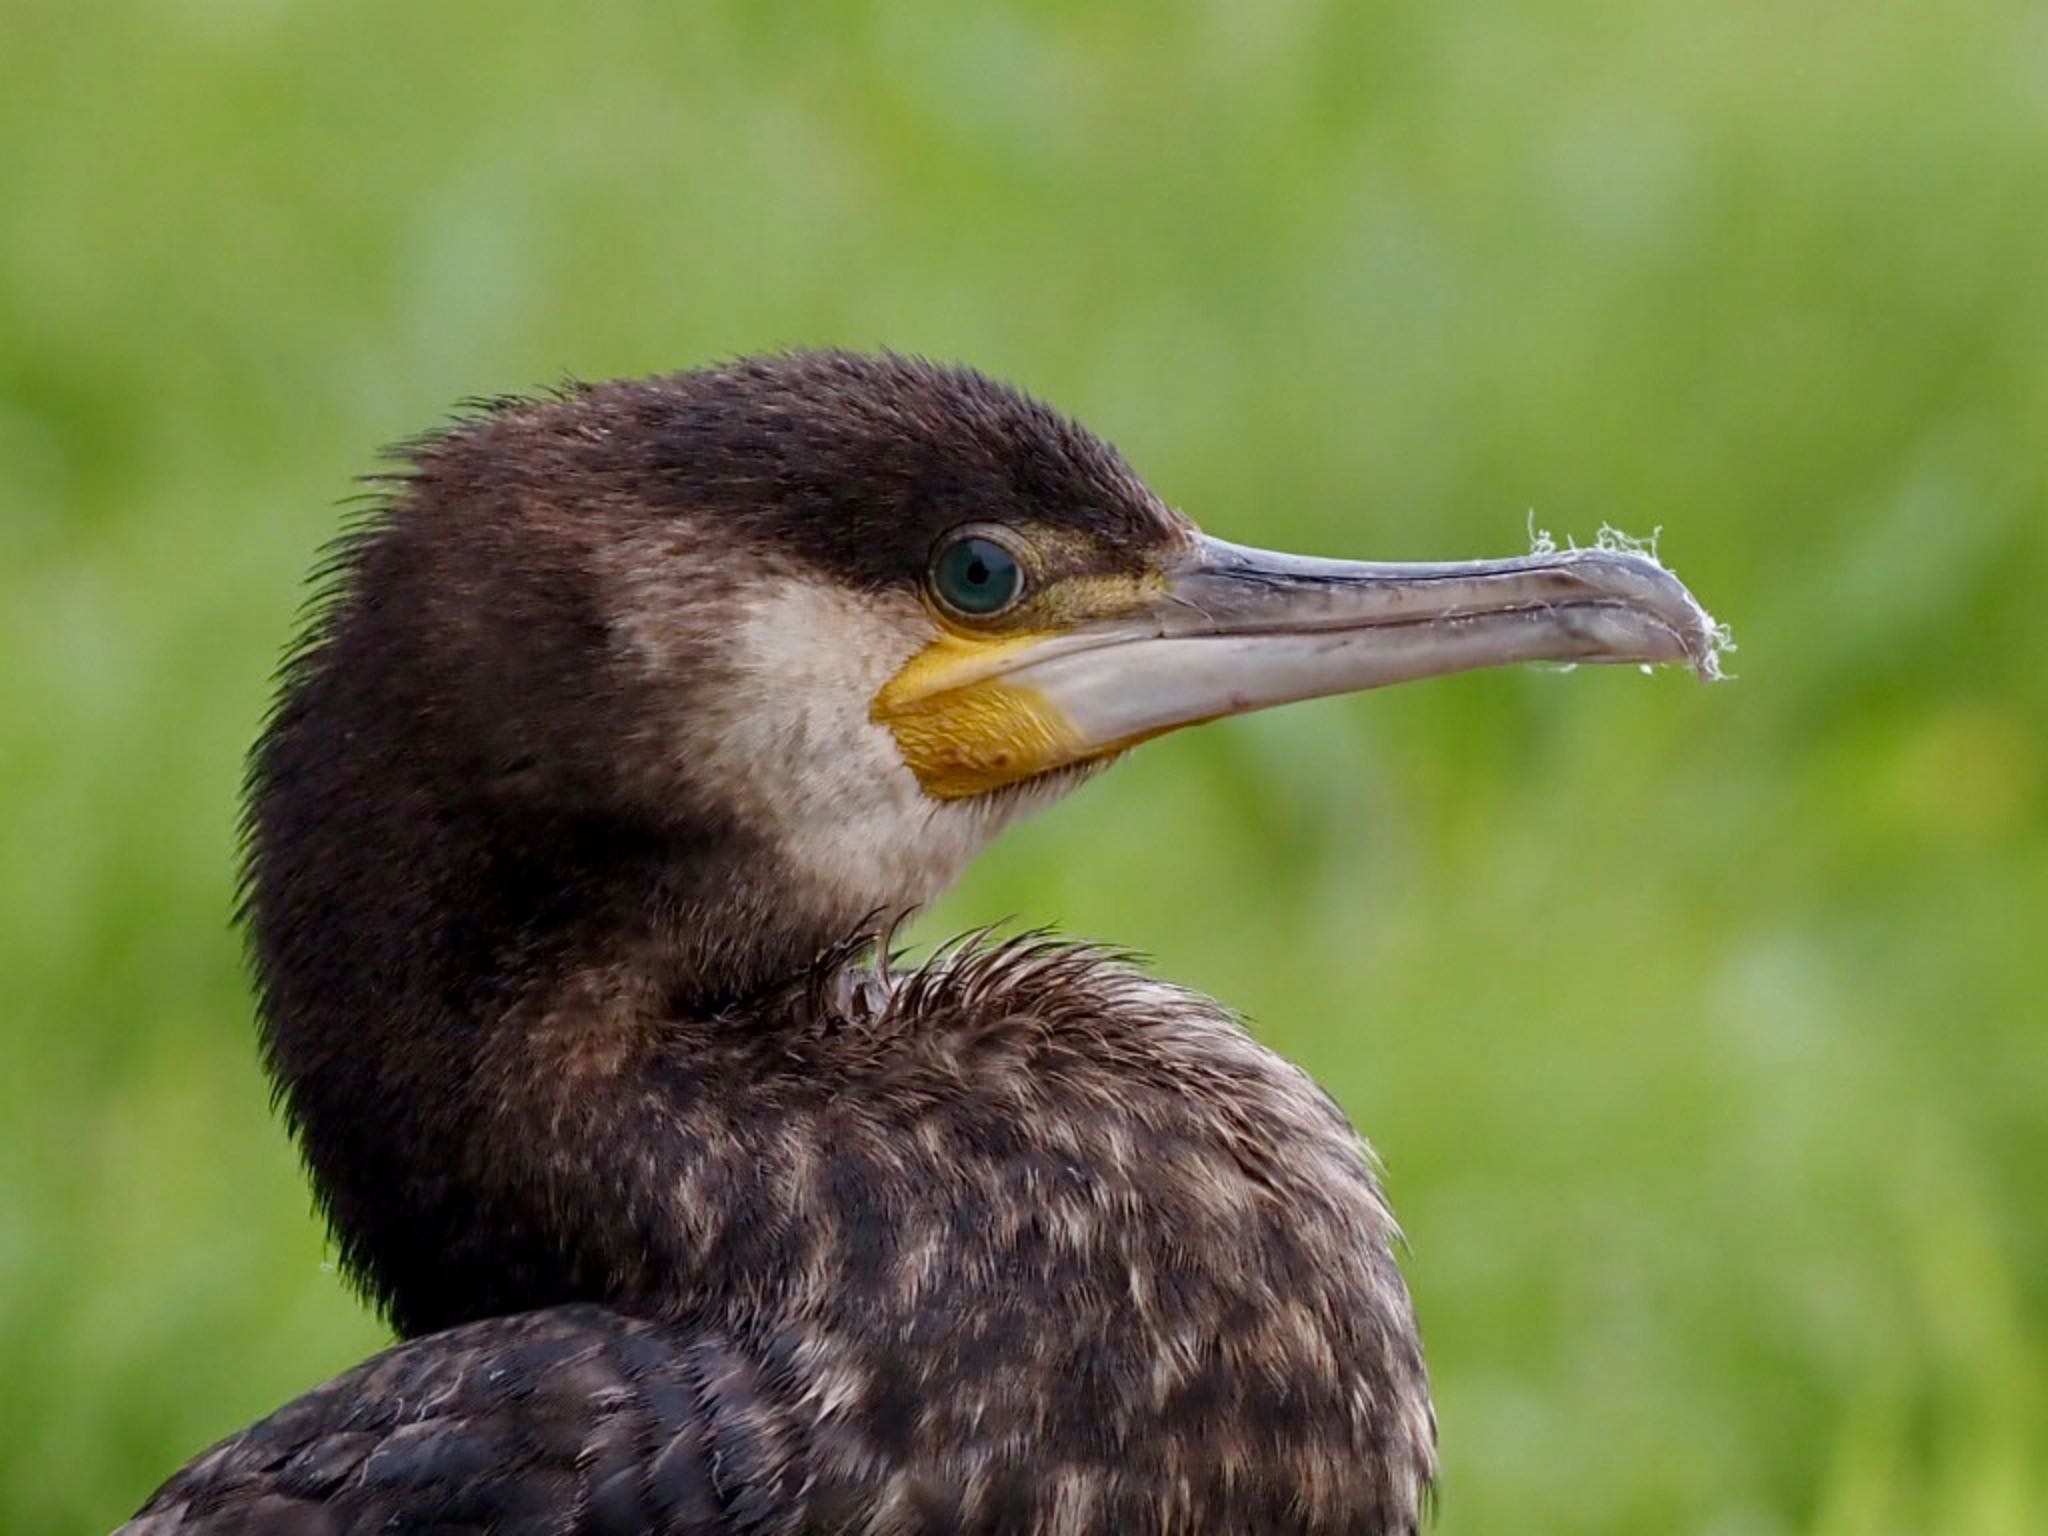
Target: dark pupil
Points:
(978, 576)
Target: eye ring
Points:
(976, 574)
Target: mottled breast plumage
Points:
(934, 1222)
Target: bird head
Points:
(842, 618)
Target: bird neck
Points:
(465, 1003)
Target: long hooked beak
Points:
(1239, 629)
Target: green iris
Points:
(976, 577)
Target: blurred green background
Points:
(1702, 1029)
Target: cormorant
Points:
(627, 729)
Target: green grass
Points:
(1702, 1030)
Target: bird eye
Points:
(975, 577)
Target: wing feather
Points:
(577, 1421)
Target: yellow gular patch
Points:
(964, 731)
(982, 737)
